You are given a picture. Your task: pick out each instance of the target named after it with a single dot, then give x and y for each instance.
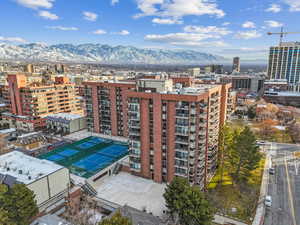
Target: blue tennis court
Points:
(88, 156)
(97, 158)
(97, 140)
(115, 151)
(85, 145)
(94, 162)
(68, 152)
(55, 158)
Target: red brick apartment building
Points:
(172, 128)
(29, 101)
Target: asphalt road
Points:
(284, 186)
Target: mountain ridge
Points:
(103, 53)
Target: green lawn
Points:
(227, 180)
(242, 197)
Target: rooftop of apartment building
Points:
(276, 81)
(289, 44)
(165, 86)
(28, 80)
(272, 92)
(24, 168)
(64, 116)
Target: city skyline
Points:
(208, 26)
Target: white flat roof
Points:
(6, 131)
(66, 116)
(134, 191)
(30, 167)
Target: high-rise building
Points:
(284, 63)
(218, 69)
(194, 72)
(38, 99)
(106, 107)
(172, 130)
(29, 68)
(236, 66)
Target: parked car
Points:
(12, 139)
(260, 142)
(268, 201)
(271, 171)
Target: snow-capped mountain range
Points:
(98, 53)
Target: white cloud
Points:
(35, 4)
(201, 44)
(113, 2)
(123, 32)
(99, 32)
(274, 8)
(62, 28)
(167, 21)
(177, 37)
(273, 23)
(294, 5)
(193, 36)
(248, 24)
(12, 39)
(48, 15)
(207, 30)
(248, 34)
(90, 16)
(178, 8)
(225, 24)
(185, 39)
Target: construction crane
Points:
(282, 33)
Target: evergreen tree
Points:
(24, 204)
(195, 210)
(4, 218)
(19, 203)
(187, 203)
(244, 155)
(116, 219)
(173, 194)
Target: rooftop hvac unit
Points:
(20, 172)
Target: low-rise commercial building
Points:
(65, 123)
(253, 83)
(31, 141)
(287, 98)
(23, 123)
(49, 182)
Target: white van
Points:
(268, 201)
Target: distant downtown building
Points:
(172, 130)
(284, 63)
(236, 66)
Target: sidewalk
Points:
(260, 210)
(224, 220)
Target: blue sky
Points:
(225, 27)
